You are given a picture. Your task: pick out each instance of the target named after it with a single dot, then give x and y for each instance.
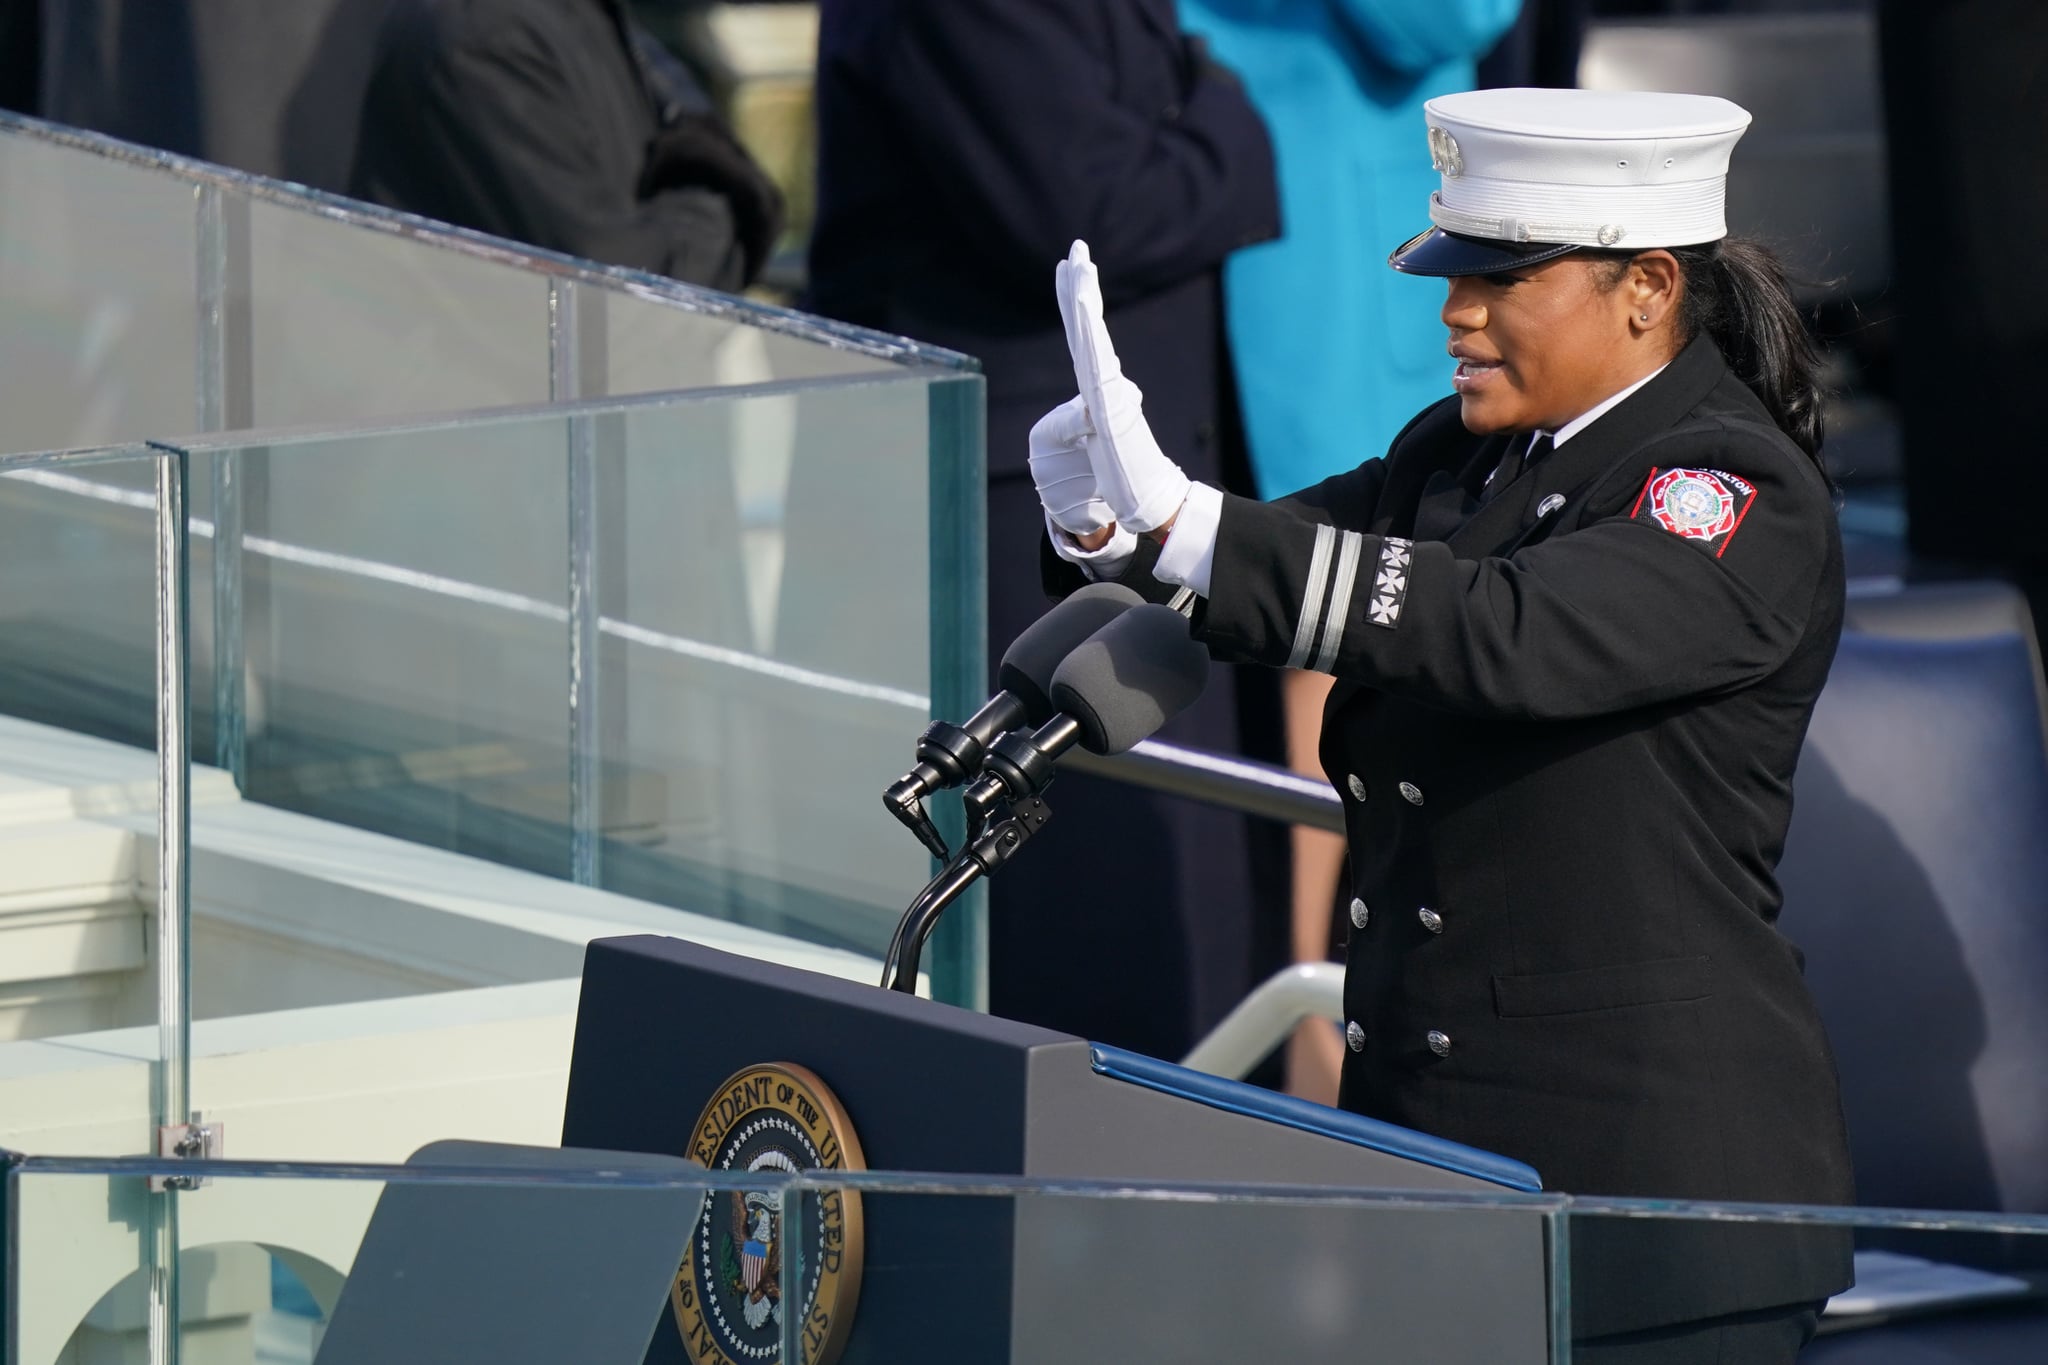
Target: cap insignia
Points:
(1444, 154)
(1611, 234)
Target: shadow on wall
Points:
(1902, 1009)
(1912, 879)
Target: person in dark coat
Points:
(561, 124)
(1578, 616)
(960, 142)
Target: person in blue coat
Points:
(1333, 352)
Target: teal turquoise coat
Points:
(1334, 352)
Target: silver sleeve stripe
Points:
(1340, 599)
(1312, 597)
(1182, 602)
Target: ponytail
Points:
(1737, 293)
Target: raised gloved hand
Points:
(1143, 488)
(1062, 473)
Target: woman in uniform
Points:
(1578, 616)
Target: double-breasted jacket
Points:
(1564, 727)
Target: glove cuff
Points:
(1161, 502)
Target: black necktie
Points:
(1519, 456)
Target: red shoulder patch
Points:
(1697, 504)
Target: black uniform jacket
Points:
(1564, 733)
(532, 119)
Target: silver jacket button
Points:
(1439, 1042)
(1359, 914)
(1411, 793)
(1357, 786)
(1431, 920)
(1354, 1036)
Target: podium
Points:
(1047, 1276)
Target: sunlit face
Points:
(1538, 346)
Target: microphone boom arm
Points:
(1018, 767)
(985, 852)
(948, 755)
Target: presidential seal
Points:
(728, 1294)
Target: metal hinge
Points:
(194, 1141)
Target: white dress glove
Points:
(1066, 490)
(1143, 488)
(1062, 473)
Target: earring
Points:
(1644, 316)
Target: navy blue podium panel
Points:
(662, 1024)
(930, 1087)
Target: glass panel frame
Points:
(1032, 1215)
(170, 1091)
(576, 450)
(1055, 1230)
(594, 330)
(113, 1183)
(100, 343)
(240, 240)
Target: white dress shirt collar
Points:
(1598, 410)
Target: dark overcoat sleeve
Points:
(1032, 139)
(1618, 613)
(492, 126)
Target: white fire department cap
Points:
(1533, 174)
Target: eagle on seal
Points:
(753, 1222)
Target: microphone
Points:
(1115, 688)
(949, 754)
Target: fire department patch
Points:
(1699, 504)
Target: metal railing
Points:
(1239, 784)
(1263, 1020)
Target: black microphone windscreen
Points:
(1131, 677)
(1032, 658)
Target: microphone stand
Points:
(987, 850)
(1004, 809)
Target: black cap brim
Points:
(1441, 254)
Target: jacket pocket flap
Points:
(1604, 988)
